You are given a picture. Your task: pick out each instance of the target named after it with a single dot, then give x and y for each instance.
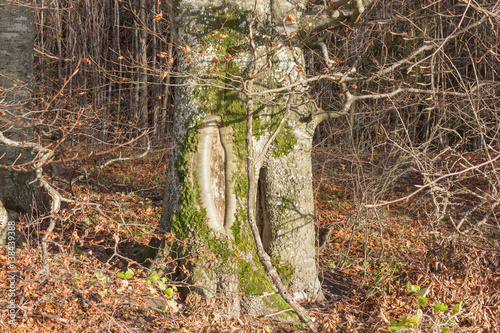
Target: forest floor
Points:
(376, 264)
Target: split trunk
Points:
(205, 201)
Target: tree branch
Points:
(474, 167)
(420, 50)
(339, 13)
(350, 99)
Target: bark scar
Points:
(203, 161)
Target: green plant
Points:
(125, 275)
(103, 293)
(167, 290)
(300, 325)
(445, 321)
(99, 276)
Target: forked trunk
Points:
(206, 188)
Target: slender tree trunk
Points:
(142, 76)
(167, 90)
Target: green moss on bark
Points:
(191, 217)
(284, 143)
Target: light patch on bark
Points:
(215, 168)
(204, 162)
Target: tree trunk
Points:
(17, 190)
(142, 121)
(207, 184)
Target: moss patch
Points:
(284, 143)
(150, 250)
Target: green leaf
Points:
(394, 325)
(164, 308)
(154, 277)
(413, 320)
(168, 291)
(422, 292)
(421, 301)
(411, 288)
(93, 281)
(162, 285)
(103, 292)
(174, 288)
(129, 273)
(101, 277)
(440, 307)
(457, 307)
(125, 275)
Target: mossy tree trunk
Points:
(207, 184)
(17, 187)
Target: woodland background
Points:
(102, 92)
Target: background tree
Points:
(18, 192)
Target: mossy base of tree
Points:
(268, 306)
(150, 250)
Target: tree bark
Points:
(17, 190)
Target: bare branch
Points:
(420, 50)
(339, 13)
(474, 167)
